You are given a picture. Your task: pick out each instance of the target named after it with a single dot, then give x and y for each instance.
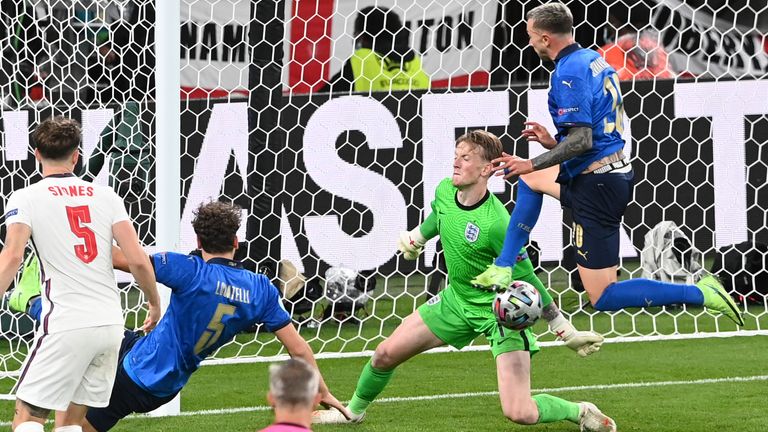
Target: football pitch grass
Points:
(677, 385)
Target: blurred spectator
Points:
(25, 64)
(383, 59)
(630, 47)
(637, 56)
(293, 393)
(124, 143)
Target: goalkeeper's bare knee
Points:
(521, 414)
(382, 359)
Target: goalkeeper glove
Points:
(494, 278)
(583, 342)
(411, 243)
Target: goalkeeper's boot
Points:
(494, 278)
(334, 416)
(591, 419)
(715, 297)
(28, 286)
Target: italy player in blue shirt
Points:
(213, 299)
(594, 179)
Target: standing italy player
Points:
(594, 178)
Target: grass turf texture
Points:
(237, 386)
(687, 405)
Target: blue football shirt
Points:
(584, 91)
(211, 303)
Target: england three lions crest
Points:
(471, 232)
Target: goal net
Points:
(330, 164)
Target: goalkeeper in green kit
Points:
(471, 223)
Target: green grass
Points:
(691, 406)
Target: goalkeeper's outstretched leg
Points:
(409, 339)
(460, 313)
(517, 404)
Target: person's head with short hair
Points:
(382, 30)
(57, 141)
(472, 161)
(294, 391)
(550, 29)
(216, 224)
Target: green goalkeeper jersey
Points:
(472, 238)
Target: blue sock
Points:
(35, 308)
(524, 217)
(646, 292)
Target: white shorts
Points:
(73, 366)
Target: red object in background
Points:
(200, 93)
(475, 79)
(311, 32)
(36, 92)
(638, 58)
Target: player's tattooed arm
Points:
(578, 140)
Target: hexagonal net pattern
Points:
(332, 122)
(94, 62)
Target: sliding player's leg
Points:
(127, 396)
(598, 202)
(409, 338)
(531, 189)
(436, 323)
(517, 404)
(512, 351)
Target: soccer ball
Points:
(518, 307)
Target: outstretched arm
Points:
(140, 267)
(578, 140)
(411, 243)
(299, 348)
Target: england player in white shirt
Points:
(71, 225)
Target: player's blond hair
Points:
(294, 383)
(488, 143)
(552, 17)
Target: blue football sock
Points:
(523, 219)
(645, 293)
(35, 308)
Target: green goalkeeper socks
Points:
(371, 382)
(552, 409)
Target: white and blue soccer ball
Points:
(518, 307)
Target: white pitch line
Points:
(480, 394)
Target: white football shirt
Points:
(71, 222)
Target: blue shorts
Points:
(597, 202)
(127, 397)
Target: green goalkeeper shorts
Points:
(458, 323)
